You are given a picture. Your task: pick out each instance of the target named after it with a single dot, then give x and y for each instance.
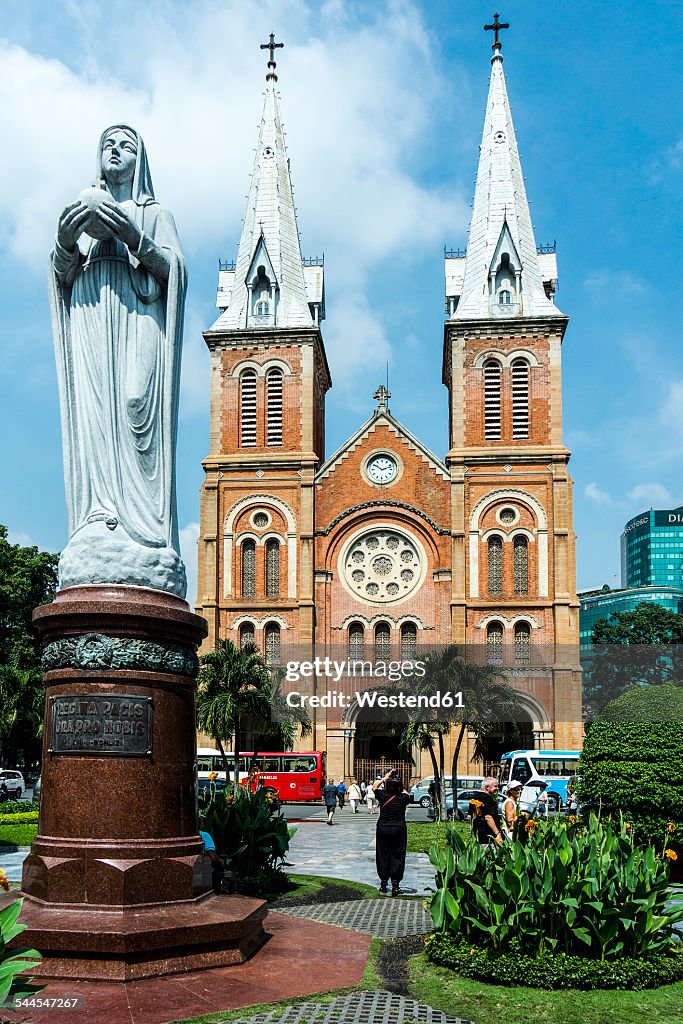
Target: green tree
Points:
(423, 735)
(236, 686)
(639, 647)
(632, 761)
(28, 578)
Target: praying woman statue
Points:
(117, 294)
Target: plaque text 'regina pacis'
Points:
(115, 724)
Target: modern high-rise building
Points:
(652, 549)
(385, 545)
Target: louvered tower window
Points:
(494, 643)
(249, 569)
(408, 641)
(274, 390)
(495, 581)
(272, 638)
(521, 555)
(492, 372)
(520, 399)
(248, 409)
(246, 634)
(356, 641)
(272, 568)
(522, 643)
(382, 642)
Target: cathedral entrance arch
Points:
(372, 742)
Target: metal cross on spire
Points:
(382, 396)
(272, 46)
(496, 28)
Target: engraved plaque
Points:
(114, 724)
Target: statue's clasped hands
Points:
(76, 217)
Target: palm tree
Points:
(422, 735)
(235, 684)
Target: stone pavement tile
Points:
(298, 960)
(377, 1007)
(387, 918)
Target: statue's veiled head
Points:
(122, 157)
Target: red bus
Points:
(296, 775)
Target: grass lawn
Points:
(480, 1002)
(421, 834)
(306, 885)
(17, 835)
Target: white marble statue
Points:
(117, 295)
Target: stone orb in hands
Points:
(93, 198)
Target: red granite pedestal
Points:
(115, 885)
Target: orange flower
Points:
(671, 826)
(3, 881)
(473, 950)
(530, 825)
(671, 854)
(476, 803)
(628, 826)
(229, 798)
(572, 819)
(213, 776)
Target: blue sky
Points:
(383, 105)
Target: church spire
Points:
(502, 273)
(268, 288)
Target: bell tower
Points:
(513, 582)
(269, 377)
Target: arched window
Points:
(382, 641)
(492, 372)
(274, 392)
(272, 568)
(522, 643)
(263, 308)
(495, 581)
(356, 641)
(246, 634)
(505, 297)
(520, 399)
(408, 641)
(494, 643)
(249, 569)
(248, 409)
(521, 556)
(272, 643)
(261, 292)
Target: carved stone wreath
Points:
(382, 566)
(95, 650)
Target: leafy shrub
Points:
(13, 961)
(250, 837)
(19, 807)
(553, 970)
(25, 818)
(270, 881)
(632, 762)
(556, 886)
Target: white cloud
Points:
(188, 551)
(20, 537)
(596, 494)
(650, 495)
(357, 350)
(614, 281)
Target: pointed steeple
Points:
(502, 271)
(268, 288)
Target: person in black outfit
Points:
(484, 814)
(392, 834)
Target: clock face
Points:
(382, 469)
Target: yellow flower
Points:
(229, 798)
(3, 881)
(628, 826)
(572, 819)
(671, 854)
(213, 776)
(671, 826)
(476, 803)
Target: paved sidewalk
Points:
(346, 850)
(388, 919)
(11, 863)
(357, 1008)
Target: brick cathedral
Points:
(385, 547)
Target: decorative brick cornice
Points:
(404, 506)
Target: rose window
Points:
(507, 516)
(383, 566)
(260, 520)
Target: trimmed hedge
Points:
(553, 970)
(22, 818)
(19, 806)
(632, 763)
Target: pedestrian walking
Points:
(330, 799)
(542, 801)
(371, 800)
(392, 833)
(355, 796)
(513, 792)
(484, 816)
(341, 793)
(363, 789)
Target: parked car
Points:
(464, 797)
(419, 793)
(13, 782)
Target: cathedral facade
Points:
(385, 548)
